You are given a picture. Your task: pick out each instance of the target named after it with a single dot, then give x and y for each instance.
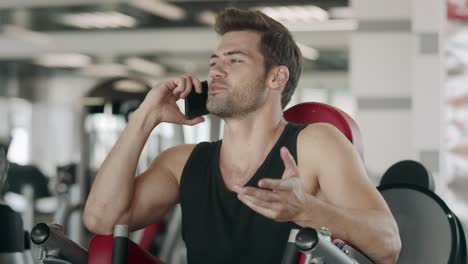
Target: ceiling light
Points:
(295, 14)
(207, 17)
(105, 70)
(65, 60)
(145, 66)
(310, 18)
(160, 8)
(99, 20)
(308, 52)
(129, 86)
(329, 25)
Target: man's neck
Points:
(247, 141)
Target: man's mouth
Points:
(216, 88)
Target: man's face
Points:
(237, 75)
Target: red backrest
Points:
(313, 112)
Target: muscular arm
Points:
(348, 205)
(157, 189)
(328, 189)
(117, 197)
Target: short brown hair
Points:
(276, 45)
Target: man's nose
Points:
(217, 71)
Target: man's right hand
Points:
(160, 102)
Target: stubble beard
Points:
(239, 101)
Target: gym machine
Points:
(14, 242)
(316, 245)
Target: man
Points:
(241, 196)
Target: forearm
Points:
(373, 232)
(112, 190)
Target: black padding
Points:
(428, 229)
(11, 230)
(408, 172)
(462, 258)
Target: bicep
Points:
(340, 171)
(156, 190)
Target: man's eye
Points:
(235, 61)
(212, 64)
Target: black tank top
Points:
(217, 227)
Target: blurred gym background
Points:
(72, 70)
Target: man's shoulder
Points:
(318, 133)
(178, 155)
(321, 142)
(178, 151)
(176, 158)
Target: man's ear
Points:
(278, 77)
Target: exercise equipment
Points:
(120, 245)
(430, 232)
(317, 247)
(314, 112)
(14, 241)
(409, 172)
(100, 252)
(66, 193)
(428, 229)
(56, 248)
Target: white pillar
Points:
(55, 131)
(428, 77)
(380, 65)
(397, 77)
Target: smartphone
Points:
(195, 103)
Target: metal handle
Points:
(120, 245)
(316, 245)
(53, 241)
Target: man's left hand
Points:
(281, 200)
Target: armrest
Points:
(100, 252)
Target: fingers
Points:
(192, 122)
(198, 86)
(287, 158)
(182, 85)
(277, 185)
(188, 86)
(261, 201)
(265, 202)
(290, 167)
(258, 194)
